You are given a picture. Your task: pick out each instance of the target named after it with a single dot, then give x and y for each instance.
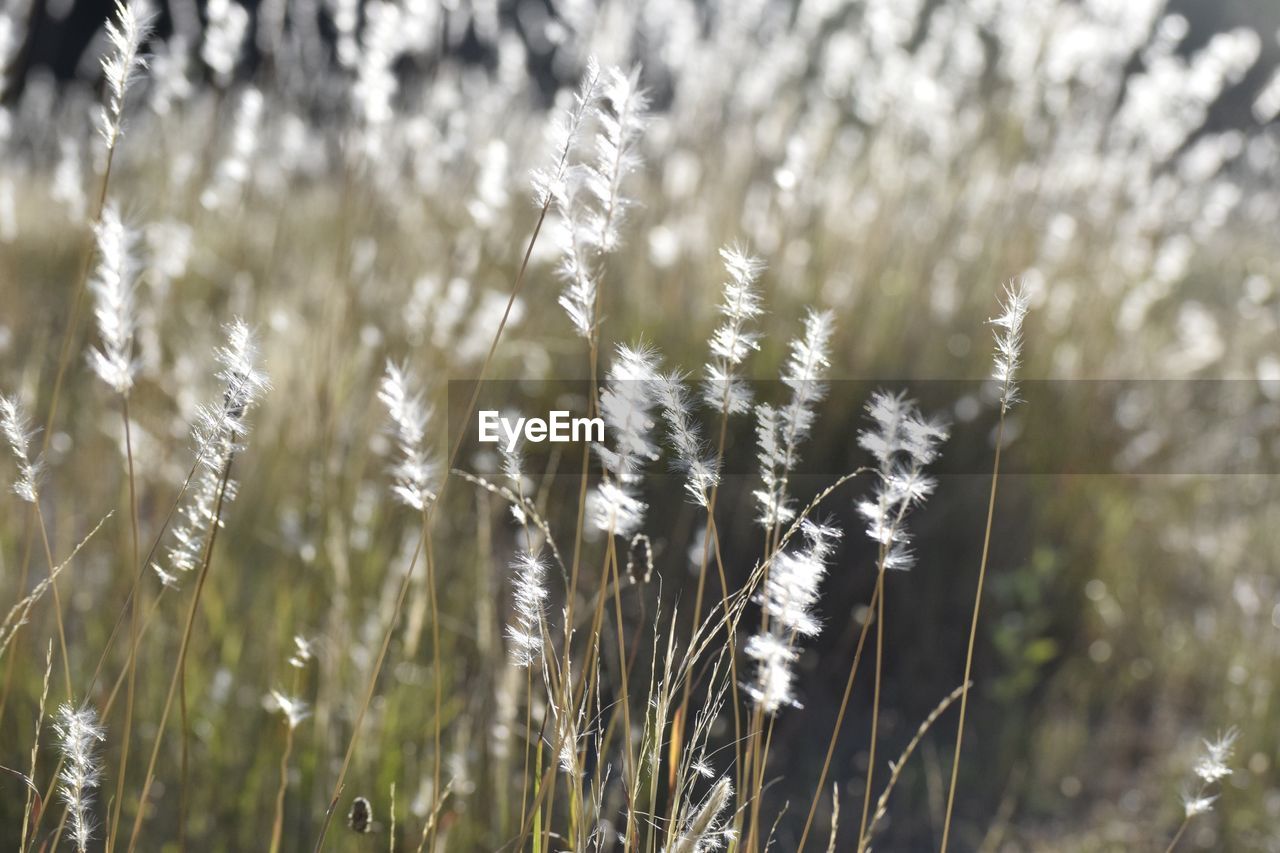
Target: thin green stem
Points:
(126, 735)
(187, 631)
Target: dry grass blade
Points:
(895, 768)
(17, 615)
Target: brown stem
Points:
(973, 630)
(277, 825)
(835, 731)
(875, 708)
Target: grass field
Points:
(936, 350)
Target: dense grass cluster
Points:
(262, 589)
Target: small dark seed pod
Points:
(360, 818)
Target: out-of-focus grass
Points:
(1114, 639)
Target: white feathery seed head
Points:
(414, 472)
(888, 412)
(810, 358)
(731, 342)
(513, 465)
(293, 709)
(564, 133)
(1008, 335)
(903, 442)
(243, 382)
(692, 456)
(303, 652)
(626, 404)
(220, 431)
(1210, 769)
(18, 433)
(1213, 765)
(617, 509)
(621, 126)
(561, 185)
(588, 196)
(791, 589)
(113, 288)
(121, 64)
(530, 597)
(195, 519)
(704, 830)
(1197, 804)
(779, 431)
(577, 267)
(78, 735)
(774, 505)
(772, 689)
(789, 597)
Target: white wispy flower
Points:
(1212, 766)
(1008, 335)
(789, 596)
(699, 466)
(219, 431)
(195, 519)
(113, 288)
(530, 596)
(888, 412)
(18, 432)
(567, 728)
(903, 442)
(772, 688)
(243, 383)
(731, 342)
(293, 709)
(704, 830)
(616, 508)
(621, 126)
(791, 589)
(588, 197)
(120, 65)
(564, 133)
(414, 471)
(303, 652)
(577, 267)
(1197, 804)
(560, 185)
(779, 431)
(78, 738)
(513, 465)
(626, 405)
